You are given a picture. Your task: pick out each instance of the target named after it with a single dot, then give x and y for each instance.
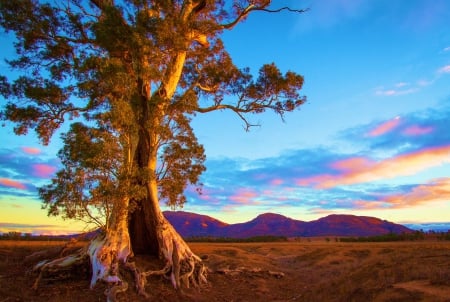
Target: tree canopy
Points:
(107, 66)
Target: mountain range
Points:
(269, 224)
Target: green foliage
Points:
(128, 76)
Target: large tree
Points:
(126, 77)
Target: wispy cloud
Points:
(385, 127)
(43, 170)
(244, 196)
(435, 190)
(396, 91)
(402, 88)
(416, 130)
(31, 150)
(444, 69)
(12, 184)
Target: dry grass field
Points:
(316, 270)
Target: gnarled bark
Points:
(110, 252)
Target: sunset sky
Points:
(373, 139)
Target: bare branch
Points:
(242, 15)
(263, 8)
(300, 11)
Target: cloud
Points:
(447, 49)
(413, 132)
(353, 164)
(43, 170)
(244, 196)
(385, 127)
(31, 150)
(444, 69)
(12, 184)
(18, 166)
(395, 92)
(416, 130)
(367, 171)
(276, 181)
(435, 190)
(403, 88)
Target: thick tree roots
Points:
(109, 259)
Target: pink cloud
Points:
(12, 183)
(276, 182)
(244, 196)
(417, 130)
(31, 150)
(385, 127)
(362, 170)
(42, 170)
(437, 189)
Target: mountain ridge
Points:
(270, 224)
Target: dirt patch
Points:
(310, 271)
(424, 286)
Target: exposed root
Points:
(111, 293)
(109, 252)
(183, 267)
(52, 253)
(60, 265)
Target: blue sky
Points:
(372, 140)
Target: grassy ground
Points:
(316, 270)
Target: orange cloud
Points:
(385, 127)
(31, 150)
(417, 130)
(353, 164)
(42, 170)
(438, 189)
(12, 183)
(360, 170)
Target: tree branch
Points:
(263, 8)
(284, 8)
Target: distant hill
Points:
(196, 225)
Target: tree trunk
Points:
(108, 251)
(142, 230)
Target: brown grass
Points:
(314, 270)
